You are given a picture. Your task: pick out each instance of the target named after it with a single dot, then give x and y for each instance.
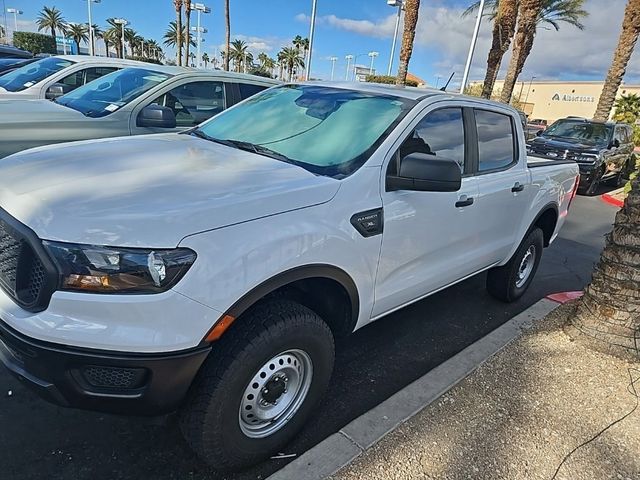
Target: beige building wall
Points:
(551, 100)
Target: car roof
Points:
(97, 59)
(187, 71)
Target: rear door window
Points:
(193, 103)
(81, 77)
(496, 145)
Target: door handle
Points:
(518, 187)
(464, 201)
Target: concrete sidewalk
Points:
(518, 416)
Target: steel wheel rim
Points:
(526, 266)
(275, 393)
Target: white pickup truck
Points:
(210, 271)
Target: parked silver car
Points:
(52, 77)
(132, 101)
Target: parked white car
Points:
(131, 101)
(210, 271)
(52, 77)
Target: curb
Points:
(341, 448)
(607, 198)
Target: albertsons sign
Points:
(567, 97)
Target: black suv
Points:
(603, 151)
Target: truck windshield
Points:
(28, 75)
(585, 132)
(328, 131)
(111, 92)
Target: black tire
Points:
(502, 282)
(210, 419)
(592, 188)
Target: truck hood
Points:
(562, 144)
(149, 191)
(17, 112)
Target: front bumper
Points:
(131, 384)
(587, 172)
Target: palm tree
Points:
(132, 38)
(114, 35)
(187, 14)
(171, 36)
(238, 53)
(608, 315)
(410, 21)
(292, 60)
(192, 57)
(621, 57)
(227, 21)
(52, 19)
(627, 108)
(178, 31)
(205, 59)
(262, 58)
(79, 33)
(97, 33)
(531, 14)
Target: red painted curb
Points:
(565, 297)
(606, 198)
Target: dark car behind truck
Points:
(603, 150)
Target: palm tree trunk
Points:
(621, 57)
(408, 36)
(528, 13)
(227, 20)
(504, 27)
(178, 5)
(53, 32)
(187, 14)
(607, 318)
(77, 46)
(106, 47)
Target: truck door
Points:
(504, 186)
(429, 238)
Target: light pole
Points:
(373, 56)
(15, 12)
(472, 47)
(200, 8)
(529, 89)
(123, 23)
(91, 34)
(6, 28)
(400, 5)
(437, 80)
(348, 58)
(333, 65)
(307, 71)
(199, 31)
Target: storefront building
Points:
(550, 100)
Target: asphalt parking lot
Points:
(38, 440)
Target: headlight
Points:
(585, 158)
(90, 268)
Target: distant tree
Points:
(412, 8)
(239, 54)
(78, 33)
(292, 60)
(52, 19)
(178, 30)
(205, 59)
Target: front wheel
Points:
(259, 385)
(509, 282)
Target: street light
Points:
(15, 12)
(529, 89)
(472, 47)
(91, 34)
(400, 5)
(307, 72)
(200, 8)
(122, 22)
(199, 40)
(333, 65)
(373, 56)
(348, 58)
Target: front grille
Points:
(114, 377)
(23, 274)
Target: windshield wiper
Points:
(246, 146)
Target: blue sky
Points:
(359, 26)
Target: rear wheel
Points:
(509, 282)
(259, 385)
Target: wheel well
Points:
(547, 223)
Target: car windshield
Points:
(111, 92)
(585, 132)
(328, 131)
(28, 75)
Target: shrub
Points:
(35, 42)
(388, 79)
(145, 59)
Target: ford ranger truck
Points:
(209, 272)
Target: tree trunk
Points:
(504, 27)
(178, 5)
(227, 20)
(608, 315)
(408, 36)
(106, 47)
(528, 13)
(621, 56)
(187, 43)
(53, 32)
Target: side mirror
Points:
(539, 132)
(156, 116)
(57, 90)
(426, 173)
